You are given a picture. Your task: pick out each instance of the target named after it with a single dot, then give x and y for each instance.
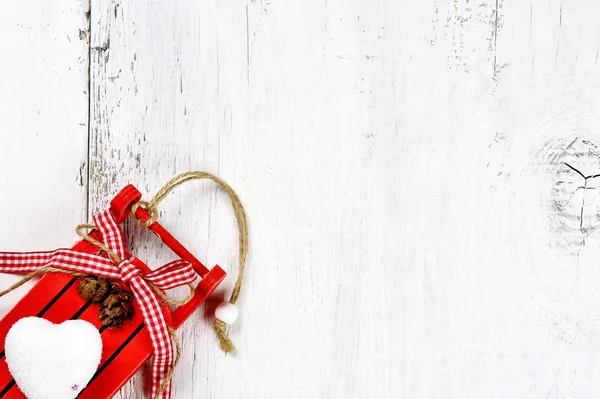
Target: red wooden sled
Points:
(125, 350)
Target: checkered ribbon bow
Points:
(174, 274)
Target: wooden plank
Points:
(545, 114)
(152, 119)
(416, 232)
(43, 126)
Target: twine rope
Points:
(151, 207)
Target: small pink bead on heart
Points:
(75, 387)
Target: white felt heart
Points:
(52, 361)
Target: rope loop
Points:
(151, 206)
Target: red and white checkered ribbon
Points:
(174, 274)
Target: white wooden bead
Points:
(227, 312)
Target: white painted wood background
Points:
(415, 231)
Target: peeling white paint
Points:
(416, 232)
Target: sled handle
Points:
(121, 207)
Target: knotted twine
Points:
(219, 326)
(151, 207)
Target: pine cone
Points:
(94, 288)
(116, 307)
(117, 302)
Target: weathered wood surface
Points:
(416, 231)
(43, 126)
